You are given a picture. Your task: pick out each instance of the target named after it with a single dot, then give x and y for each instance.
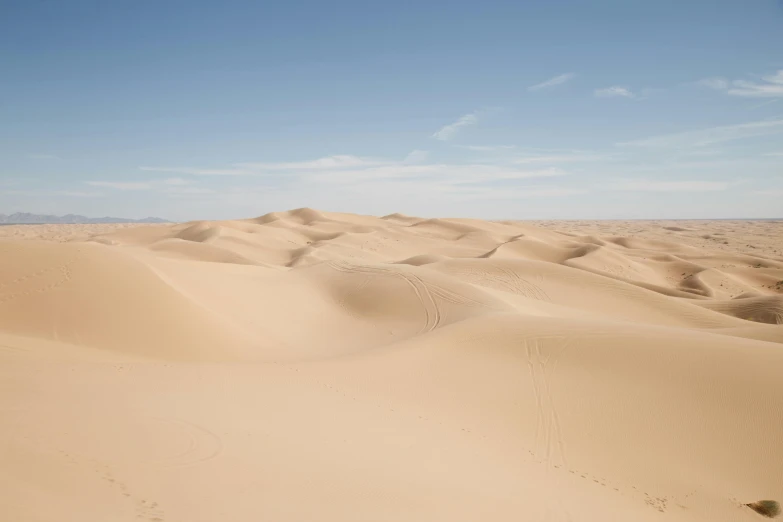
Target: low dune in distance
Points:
(307, 365)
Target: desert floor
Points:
(312, 366)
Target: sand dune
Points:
(308, 365)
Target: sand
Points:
(313, 366)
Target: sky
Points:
(536, 109)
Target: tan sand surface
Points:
(312, 366)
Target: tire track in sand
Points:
(432, 312)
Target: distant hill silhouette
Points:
(27, 218)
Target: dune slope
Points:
(307, 365)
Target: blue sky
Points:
(494, 109)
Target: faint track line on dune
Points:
(453, 297)
(432, 314)
(536, 393)
(203, 445)
(431, 309)
(527, 288)
(8, 348)
(66, 275)
(548, 437)
(505, 278)
(555, 418)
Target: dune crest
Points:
(310, 365)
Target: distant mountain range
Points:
(21, 218)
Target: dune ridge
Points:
(311, 365)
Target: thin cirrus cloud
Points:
(168, 186)
(246, 169)
(770, 86)
(176, 182)
(717, 83)
(487, 148)
(552, 82)
(615, 91)
(645, 185)
(180, 190)
(328, 162)
(120, 185)
(559, 158)
(765, 103)
(197, 171)
(447, 132)
(459, 192)
(79, 194)
(354, 169)
(491, 193)
(411, 175)
(702, 137)
(416, 156)
(345, 168)
(446, 174)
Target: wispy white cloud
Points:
(189, 190)
(776, 154)
(171, 186)
(445, 173)
(416, 156)
(769, 87)
(176, 181)
(514, 193)
(717, 83)
(407, 179)
(559, 158)
(198, 171)
(260, 168)
(447, 132)
(487, 148)
(700, 153)
(514, 156)
(702, 137)
(615, 91)
(329, 162)
(557, 80)
(764, 103)
(120, 185)
(645, 185)
(79, 194)
(349, 172)
(456, 192)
